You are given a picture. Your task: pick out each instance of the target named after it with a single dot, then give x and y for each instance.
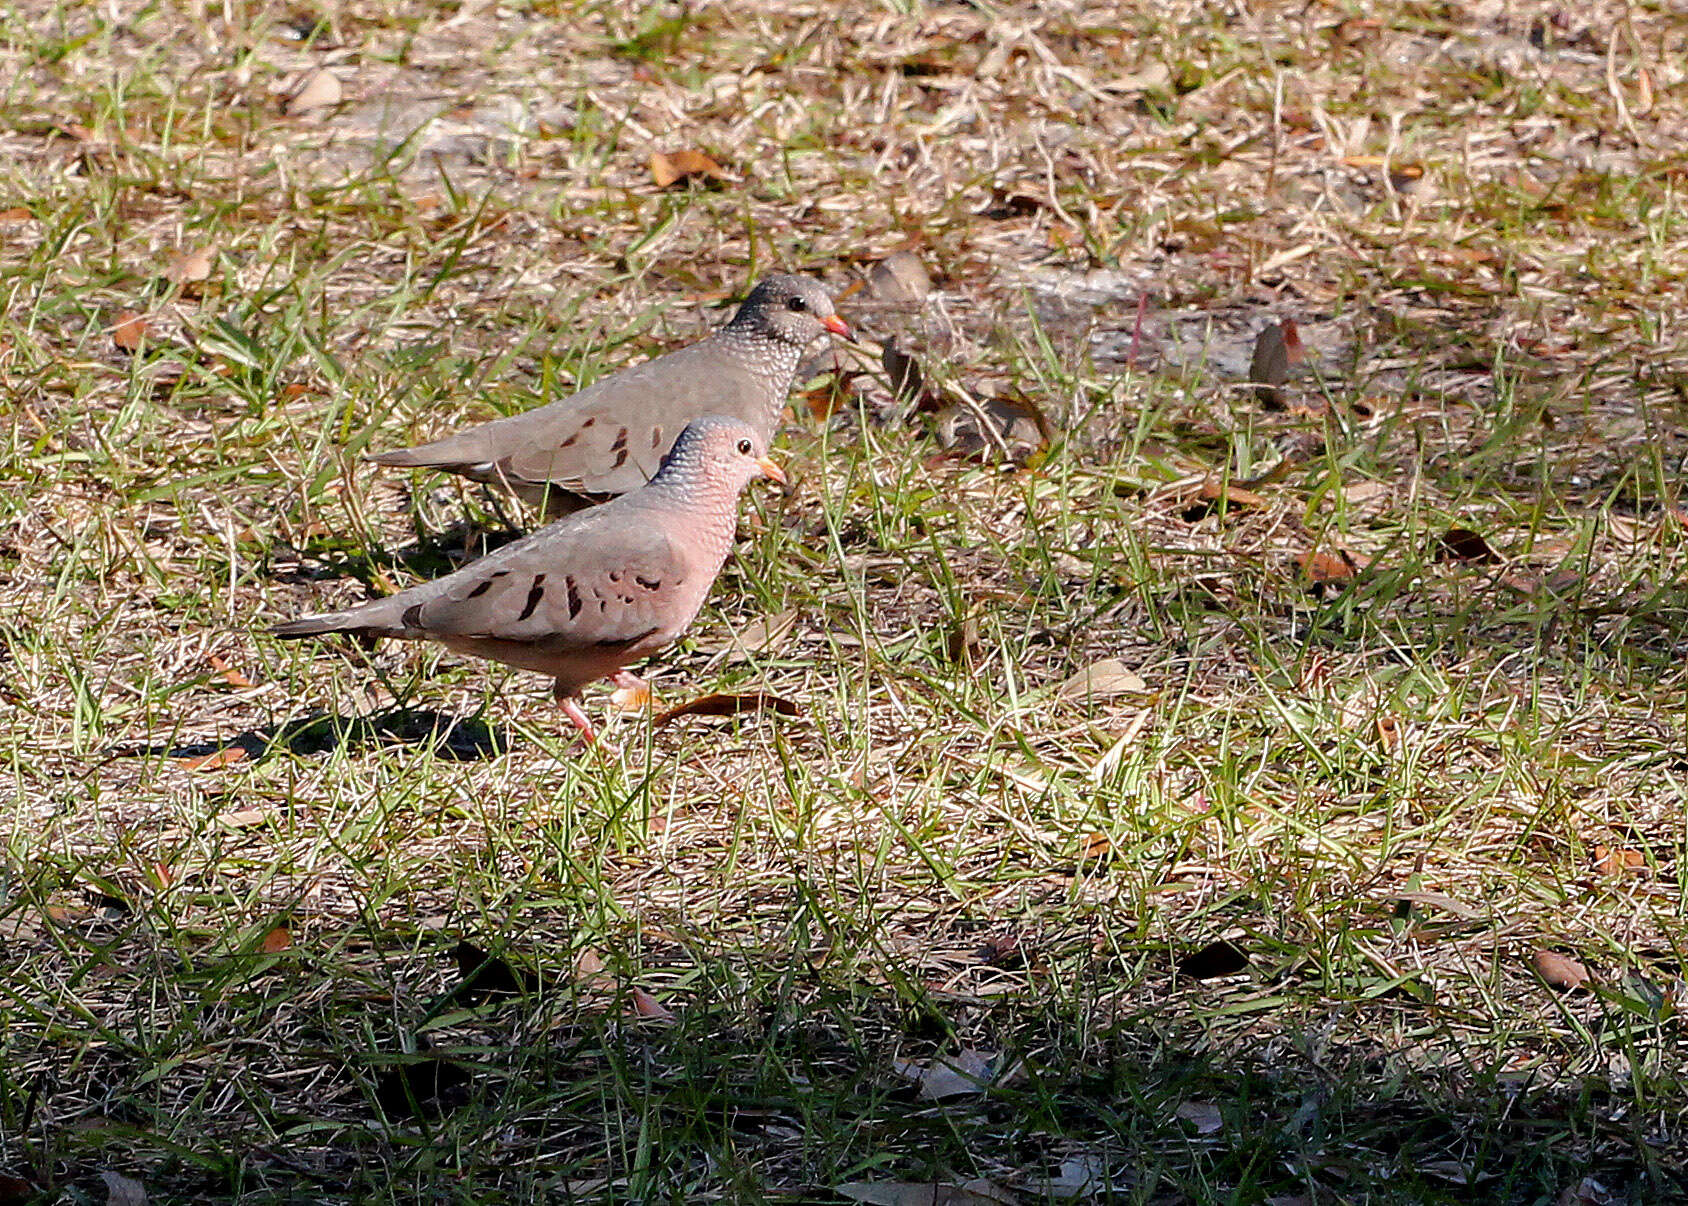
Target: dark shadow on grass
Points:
(434, 555)
(459, 739)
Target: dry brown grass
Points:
(1387, 792)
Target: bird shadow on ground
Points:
(432, 555)
(458, 739)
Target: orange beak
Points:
(836, 325)
(770, 470)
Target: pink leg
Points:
(571, 709)
(631, 681)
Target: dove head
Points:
(719, 452)
(795, 310)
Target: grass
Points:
(1263, 926)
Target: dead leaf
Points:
(319, 89)
(902, 370)
(1080, 1176)
(1006, 427)
(764, 634)
(217, 760)
(1268, 368)
(963, 1074)
(228, 674)
(1388, 733)
(961, 643)
(1560, 971)
(1616, 860)
(122, 1190)
(1216, 959)
(1216, 494)
(1103, 680)
(483, 976)
(672, 167)
(16, 214)
(1586, 1192)
(631, 698)
(1463, 544)
(927, 1193)
(589, 971)
(900, 277)
(190, 267)
(276, 941)
(643, 1005)
(1204, 1116)
(128, 331)
(1324, 570)
(729, 703)
(245, 818)
(1007, 203)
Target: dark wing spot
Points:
(615, 575)
(412, 617)
(620, 459)
(574, 598)
(585, 423)
(620, 440)
(500, 573)
(656, 438)
(648, 583)
(481, 589)
(570, 440)
(536, 592)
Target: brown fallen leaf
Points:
(216, 760)
(964, 1074)
(1617, 860)
(900, 277)
(229, 674)
(764, 634)
(483, 976)
(15, 214)
(927, 1193)
(277, 940)
(1323, 570)
(190, 267)
(642, 1005)
(128, 331)
(631, 698)
(122, 1190)
(1268, 368)
(1006, 427)
(1216, 959)
(1463, 544)
(1388, 733)
(1203, 1115)
(1560, 971)
(728, 703)
(1008, 203)
(673, 167)
(1216, 494)
(319, 89)
(961, 642)
(245, 818)
(1103, 680)
(902, 370)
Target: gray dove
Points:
(590, 594)
(611, 436)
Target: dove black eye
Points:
(744, 447)
(795, 303)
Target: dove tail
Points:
(304, 626)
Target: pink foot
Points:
(571, 709)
